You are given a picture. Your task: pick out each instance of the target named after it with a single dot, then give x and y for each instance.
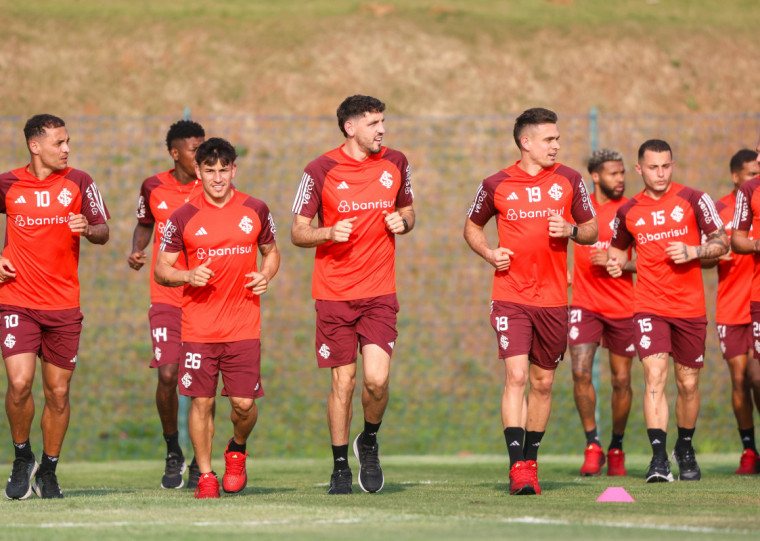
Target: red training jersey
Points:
(682, 214)
(735, 276)
(160, 196)
(223, 310)
(746, 218)
(593, 287)
(523, 204)
(336, 187)
(38, 240)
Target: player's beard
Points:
(611, 194)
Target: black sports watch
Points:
(574, 232)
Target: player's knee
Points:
(516, 377)
(57, 398)
(167, 376)
(377, 387)
(581, 377)
(621, 381)
(243, 406)
(19, 389)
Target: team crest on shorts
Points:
(9, 341)
(645, 342)
(757, 346)
(324, 351)
(503, 342)
(187, 380)
(574, 332)
(722, 347)
(157, 354)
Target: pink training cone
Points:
(615, 494)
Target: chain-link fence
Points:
(446, 380)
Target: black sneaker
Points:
(46, 485)
(688, 469)
(194, 475)
(175, 467)
(341, 481)
(370, 473)
(659, 471)
(19, 485)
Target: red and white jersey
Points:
(38, 240)
(223, 310)
(682, 214)
(746, 218)
(735, 276)
(523, 204)
(336, 187)
(593, 287)
(160, 196)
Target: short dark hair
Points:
(357, 105)
(654, 145)
(740, 158)
(600, 157)
(37, 125)
(532, 117)
(215, 150)
(183, 129)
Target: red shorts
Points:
(734, 339)
(683, 338)
(344, 325)
(754, 308)
(239, 362)
(587, 327)
(166, 333)
(53, 334)
(540, 333)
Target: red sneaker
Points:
(748, 463)
(532, 466)
(235, 476)
(616, 463)
(208, 486)
(521, 479)
(592, 465)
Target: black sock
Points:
(658, 439)
(532, 441)
(172, 444)
(235, 447)
(748, 437)
(592, 437)
(370, 432)
(616, 442)
(685, 436)
(340, 457)
(48, 463)
(23, 450)
(514, 436)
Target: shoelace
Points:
(369, 457)
(234, 465)
(18, 473)
(173, 465)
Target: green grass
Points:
(424, 497)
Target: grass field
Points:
(424, 497)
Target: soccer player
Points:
(362, 193)
(666, 222)
(601, 311)
(534, 201)
(219, 234)
(160, 196)
(49, 207)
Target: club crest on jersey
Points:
(677, 214)
(555, 192)
(246, 225)
(64, 198)
(386, 179)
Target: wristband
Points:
(574, 232)
(406, 225)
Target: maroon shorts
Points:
(683, 338)
(540, 333)
(344, 325)
(166, 333)
(754, 308)
(52, 334)
(239, 362)
(587, 327)
(734, 339)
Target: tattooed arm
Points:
(715, 246)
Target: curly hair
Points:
(37, 125)
(599, 157)
(215, 150)
(183, 129)
(357, 105)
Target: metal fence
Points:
(446, 381)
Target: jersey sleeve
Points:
(483, 205)
(144, 214)
(172, 241)
(93, 206)
(6, 181)
(621, 237)
(268, 229)
(309, 197)
(743, 210)
(581, 210)
(705, 212)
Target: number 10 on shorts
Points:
(193, 360)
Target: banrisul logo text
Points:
(354, 206)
